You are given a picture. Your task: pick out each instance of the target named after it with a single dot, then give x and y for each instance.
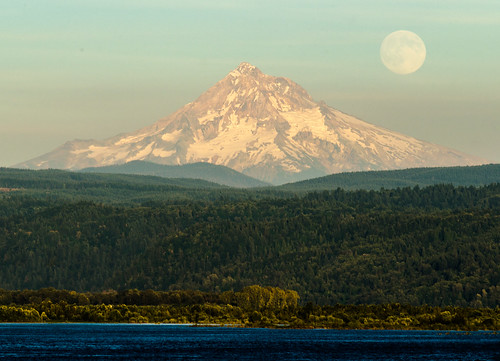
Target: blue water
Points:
(167, 342)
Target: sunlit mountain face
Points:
(264, 126)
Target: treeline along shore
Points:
(254, 306)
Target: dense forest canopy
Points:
(437, 245)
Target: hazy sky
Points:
(95, 68)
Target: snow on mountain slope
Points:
(263, 126)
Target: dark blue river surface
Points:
(168, 342)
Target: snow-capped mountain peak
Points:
(264, 126)
(245, 69)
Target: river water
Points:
(169, 342)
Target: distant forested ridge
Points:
(119, 189)
(437, 245)
(207, 171)
(133, 189)
(374, 180)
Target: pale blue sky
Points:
(95, 68)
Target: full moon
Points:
(402, 52)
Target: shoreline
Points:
(253, 307)
(242, 326)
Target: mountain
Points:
(263, 126)
(206, 171)
(480, 175)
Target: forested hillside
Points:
(459, 176)
(119, 189)
(207, 171)
(437, 245)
